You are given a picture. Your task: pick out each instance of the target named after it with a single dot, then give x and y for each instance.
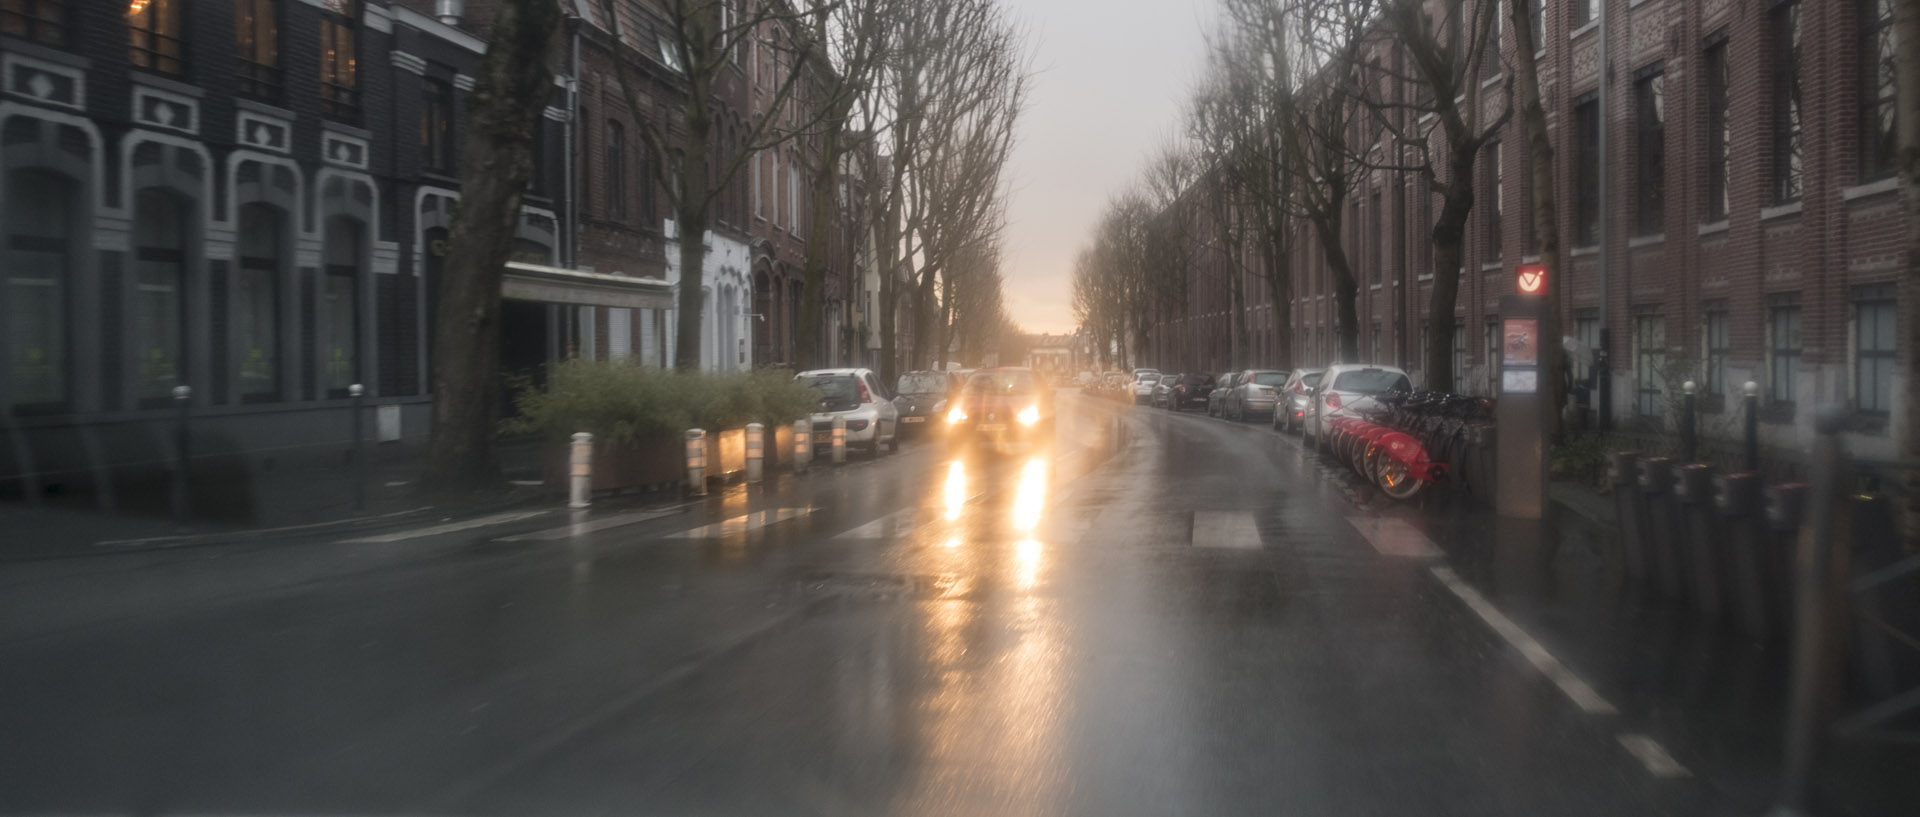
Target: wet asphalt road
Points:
(1155, 615)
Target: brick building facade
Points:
(1752, 225)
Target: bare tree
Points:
(1443, 55)
(514, 83)
(1172, 236)
(698, 39)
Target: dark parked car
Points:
(921, 400)
(1190, 390)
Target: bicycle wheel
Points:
(1394, 478)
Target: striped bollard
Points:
(696, 462)
(802, 445)
(839, 439)
(580, 471)
(756, 452)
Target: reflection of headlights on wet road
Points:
(956, 489)
(956, 415)
(1031, 495)
(1028, 416)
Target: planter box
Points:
(636, 465)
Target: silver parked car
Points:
(1218, 397)
(1255, 392)
(1347, 387)
(1291, 413)
(855, 394)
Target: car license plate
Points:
(913, 419)
(993, 427)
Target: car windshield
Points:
(1269, 378)
(1370, 381)
(1311, 379)
(1168, 380)
(922, 383)
(832, 387)
(1009, 382)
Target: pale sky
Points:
(1111, 78)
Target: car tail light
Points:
(1333, 399)
(865, 396)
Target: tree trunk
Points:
(819, 231)
(1346, 290)
(1546, 218)
(515, 81)
(1279, 270)
(1449, 234)
(1906, 57)
(695, 197)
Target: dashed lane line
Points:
(1579, 691)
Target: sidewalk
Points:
(265, 500)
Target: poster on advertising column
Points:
(1520, 342)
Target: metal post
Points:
(1689, 438)
(1820, 571)
(756, 451)
(839, 439)
(182, 469)
(802, 445)
(580, 471)
(696, 462)
(356, 393)
(1751, 462)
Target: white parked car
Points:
(872, 421)
(1349, 386)
(1144, 381)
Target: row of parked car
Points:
(1291, 400)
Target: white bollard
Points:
(696, 462)
(802, 445)
(839, 439)
(756, 451)
(580, 471)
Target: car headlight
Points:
(956, 415)
(1028, 416)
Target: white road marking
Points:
(743, 523)
(893, 524)
(1223, 529)
(105, 543)
(1395, 537)
(1653, 756)
(436, 530)
(1579, 691)
(583, 528)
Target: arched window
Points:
(39, 255)
(256, 303)
(159, 299)
(339, 305)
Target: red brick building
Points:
(1750, 227)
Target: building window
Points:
(1717, 346)
(159, 300)
(339, 306)
(256, 303)
(256, 35)
(1376, 343)
(155, 39)
(339, 59)
(1494, 182)
(1878, 138)
(1784, 30)
(759, 200)
(39, 252)
(1492, 341)
(1719, 128)
(1649, 359)
(1376, 254)
(1875, 345)
(1783, 346)
(1459, 349)
(436, 125)
(1586, 184)
(1650, 147)
(1586, 331)
(1582, 11)
(1490, 53)
(615, 172)
(793, 195)
(1539, 20)
(773, 186)
(42, 21)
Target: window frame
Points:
(269, 270)
(330, 272)
(1650, 150)
(1786, 130)
(1716, 346)
(1493, 176)
(151, 55)
(1878, 297)
(178, 258)
(1649, 361)
(33, 23)
(1717, 71)
(1784, 353)
(340, 21)
(1878, 156)
(17, 240)
(1586, 171)
(259, 75)
(437, 153)
(613, 170)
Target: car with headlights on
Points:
(1001, 406)
(920, 398)
(855, 395)
(1255, 392)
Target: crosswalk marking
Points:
(1395, 537)
(436, 530)
(743, 523)
(582, 528)
(1225, 529)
